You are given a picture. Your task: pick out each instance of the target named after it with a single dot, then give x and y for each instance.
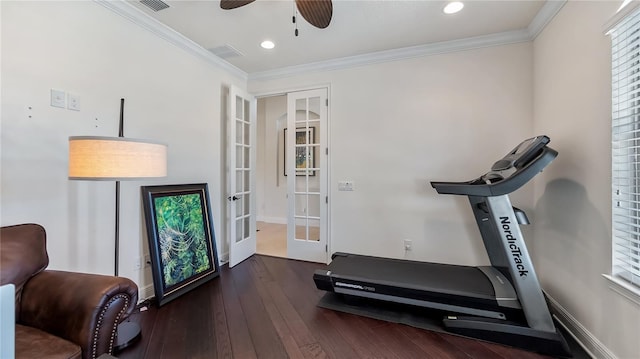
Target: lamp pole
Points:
(117, 234)
(128, 332)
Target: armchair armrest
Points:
(82, 308)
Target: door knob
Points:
(233, 198)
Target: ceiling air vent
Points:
(225, 51)
(155, 5)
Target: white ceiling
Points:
(358, 27)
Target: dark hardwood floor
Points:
(266, 307)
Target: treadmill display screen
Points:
(523, 146)
(522, 154)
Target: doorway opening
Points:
(291, 176)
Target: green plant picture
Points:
(183, 246)
(181, 238)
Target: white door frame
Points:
(327, 158)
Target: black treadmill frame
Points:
(499, 227)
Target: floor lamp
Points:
(96, 158)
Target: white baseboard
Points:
(145, 293)
(224, 258)
(585, 339)
(277, 220)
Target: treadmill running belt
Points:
(432, 277)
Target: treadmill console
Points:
(509, 173)
(522, 154)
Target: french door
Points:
(242, 187)
(306, 169)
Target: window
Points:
(625, 41)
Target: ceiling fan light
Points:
(453, 7)
(267, 44)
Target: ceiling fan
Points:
(317, 12)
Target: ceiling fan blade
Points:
(317, 12)
(232, 4)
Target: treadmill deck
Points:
(444, 279)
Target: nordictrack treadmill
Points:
(503, 302)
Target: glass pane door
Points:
(306, 175)
(242, 119)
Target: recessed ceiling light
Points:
(267, 44)
(453, 7)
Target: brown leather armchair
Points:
(60, 314)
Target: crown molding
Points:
(502, 38)
(138, 17)
(544, 17)
(147, 22)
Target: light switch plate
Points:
(58, 98)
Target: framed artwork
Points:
(181, 238)
(301, 152)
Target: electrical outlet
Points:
(407, 244)
(345, 186)
(142, 262)
(73, 102)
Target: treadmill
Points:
(503, 302)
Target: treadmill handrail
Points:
(478, 187)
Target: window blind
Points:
(625, 61)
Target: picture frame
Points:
(301, 158)
(181, 238)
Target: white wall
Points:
(171, 96)
(395, 126)
(572, 242)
